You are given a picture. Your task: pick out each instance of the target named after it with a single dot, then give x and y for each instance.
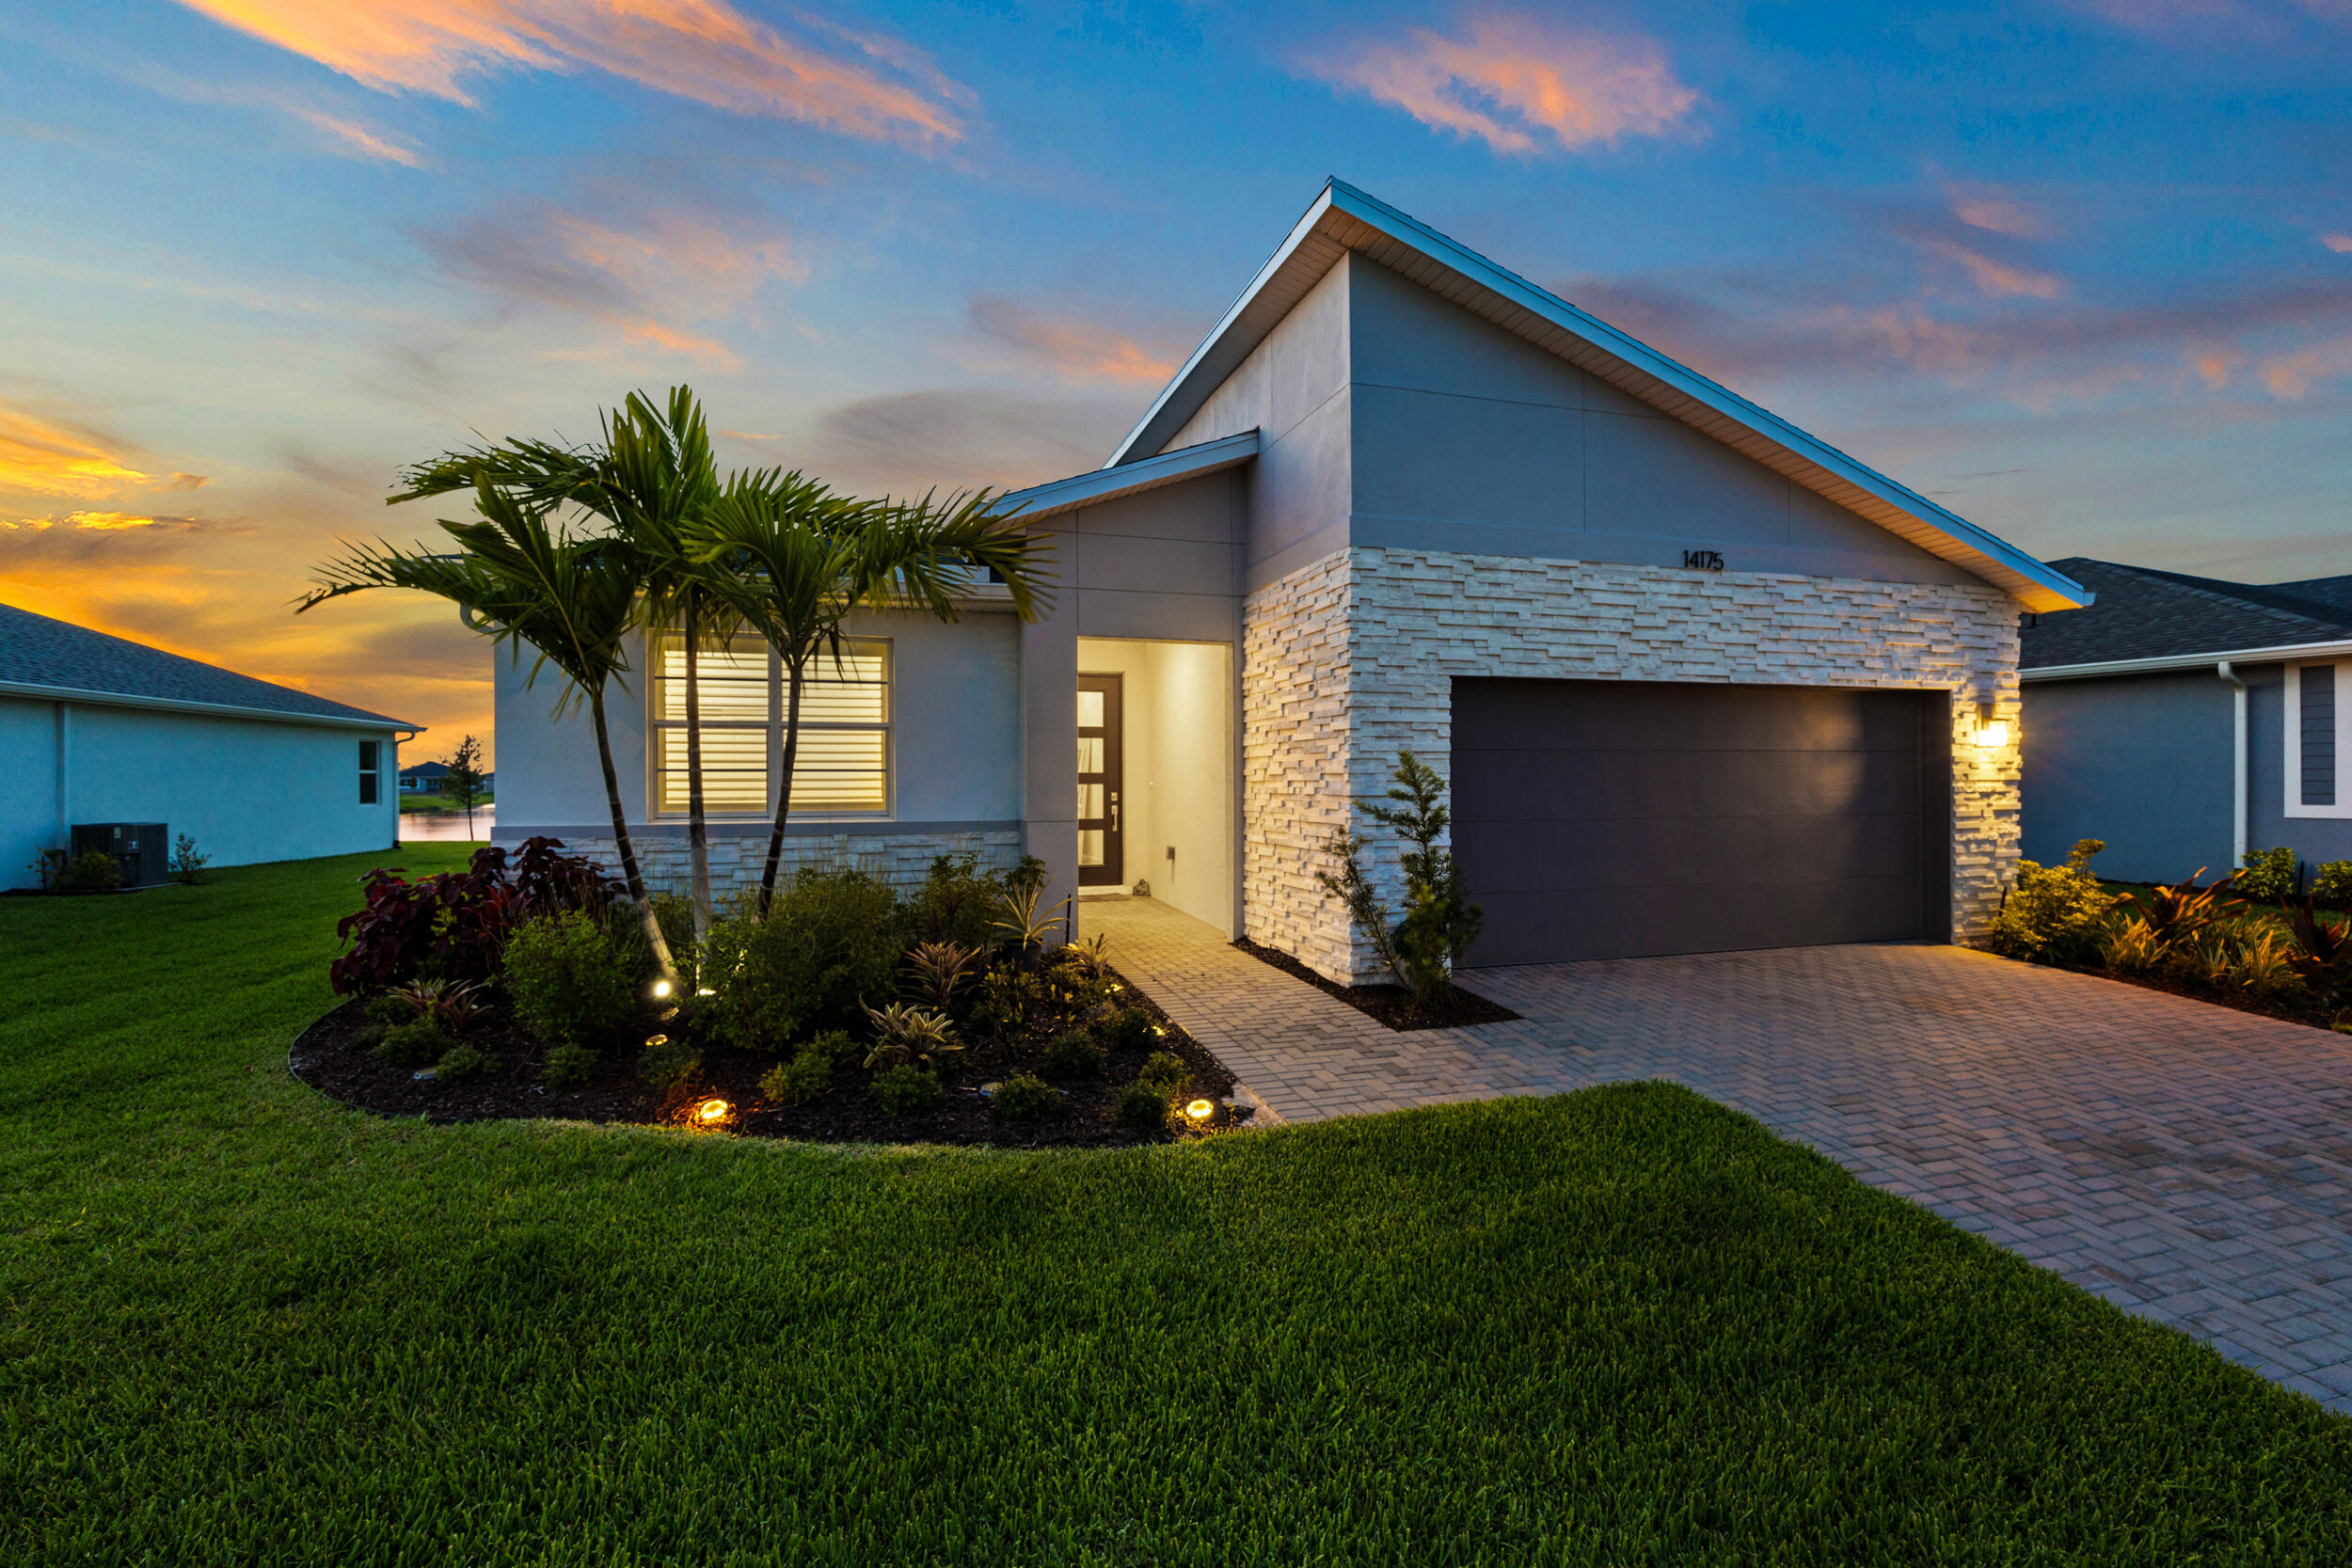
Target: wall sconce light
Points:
(1992, 734)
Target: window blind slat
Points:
(2318, 722)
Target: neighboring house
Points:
(1700, 681)
(2185, 719)
(425, 778)
(97, 729)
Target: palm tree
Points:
(652, 472)
(571, 599)
(795, 559)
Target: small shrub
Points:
(830, 940)
(369, 1035)
(462, 1063)
(1164, 1074)
(1071, 1054)
(2056, 913)
(904, 1034)
(450, 1004)
(834, 1045)
(568, 984)
(1440, 923)
(1141, 1110)
(2133, 948)
(91, 871)
(1026, 1096)
(804, 1078)
(187, 865)
(1010, 998)
(457, 924)
(390, 1010)
(2332, 887)
(1130, 1029)
(2267, 875)
(668, 1063)
(906, 1090)
(419, 1043)
(935, 969)
(957, 903)
(568, 1066)
(2264, 965)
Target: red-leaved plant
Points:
(455, 926)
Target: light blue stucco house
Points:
(97, 729)
(2187, 719)
(1700, 680)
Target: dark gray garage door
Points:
(1599, 820)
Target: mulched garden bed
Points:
(1391, 1005)
(336, 1056)
(2244, 1002)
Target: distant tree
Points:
(462, 783)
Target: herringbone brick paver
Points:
(2186, 1161)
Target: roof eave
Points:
(1097, 485)
(1625, 363)
(176, 705)
(2164, 663)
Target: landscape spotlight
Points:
(662, 991)
(1200, 1110)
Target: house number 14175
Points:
(1702, 560)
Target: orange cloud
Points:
(1078, 348)
(50, 459)
(2339, 244)
(1995, 213)
(701, 50)
(350, 136)
(1517, 83)
(1993, 276)
(2289, 376)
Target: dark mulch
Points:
(2244, 1002)
(335, 1057)
(1391, 1005)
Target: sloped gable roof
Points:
(2146, 614)
(56, 659)
(1343, 218)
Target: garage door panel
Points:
(1601, 818)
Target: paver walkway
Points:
(2186, 1162)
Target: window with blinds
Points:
(842, 764)
(2316, 748)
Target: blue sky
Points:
(2081, 269)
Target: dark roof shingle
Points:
(36, 650)
(2144, 613)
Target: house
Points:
(97, 729)
(1700, 681)
(423, 778)
(2187, 719)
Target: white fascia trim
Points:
(176, 705)
(1149, 473)
(1411, 231)
(2186, 662)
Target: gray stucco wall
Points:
(2140, 761)
(2313, 839)
(245, 791)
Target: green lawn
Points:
(432, 805)
(239, 1325)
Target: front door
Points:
(1100, 863)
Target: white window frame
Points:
(2291, 721)
(655, 724)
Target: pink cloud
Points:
(1078, 347)
(701, 50)
(2339, 244)
(1519, 83)
(1990, 275)
(1996, 212)
(353, 139)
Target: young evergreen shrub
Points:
(1073, 1054)
(568, 984)
(1141, 1110)
(957, 903)
(462, 1063)
(390, 1010)
(2056, 913)
(1026, 1096)
(1164, 1074)
(668, 1063)
(907, 1089)
(419, 1043)
(2332, 887)
(830, 942)
(2267, 875)
(804, 1078)
(1129, 1029)
(568, 1066)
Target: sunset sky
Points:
(2082, 271)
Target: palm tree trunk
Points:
(784, 790)
(697, 834)
(627, 852)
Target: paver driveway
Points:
(2186, 1161)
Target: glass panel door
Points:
(1101, 858)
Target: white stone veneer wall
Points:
(901, 860)
(1352, 658)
